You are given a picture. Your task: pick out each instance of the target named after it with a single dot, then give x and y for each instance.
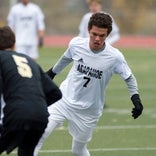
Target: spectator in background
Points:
(96, 6)
(27, 92)
(27, 21)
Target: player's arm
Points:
(59, 66)
(135, 98)
(51, 90)
(123, 69)
(82, 27)
(11, 19)
(41, 27)
(0, 101)
(41, 38)
(114, 36)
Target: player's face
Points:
(95, 7)
(97, 37)
(25, 2)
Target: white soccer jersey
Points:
(86, 82)
(83, 29)
(26, 20)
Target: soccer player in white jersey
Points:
(27, 21)
(96, 6)
(94, 63)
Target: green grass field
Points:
(117, 133)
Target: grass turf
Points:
(117, 133)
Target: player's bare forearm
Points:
(41, 38)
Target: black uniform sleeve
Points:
(51, 90)
(1, 86)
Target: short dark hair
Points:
(7, 38)
(101, 20)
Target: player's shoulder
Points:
(114, 51)
(16, 7)
(34, 6)
(6, 56)
(1, 54)
(87, 15)
(4, 52)
(75, 41)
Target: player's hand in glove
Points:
(50, 73)
(138, 107)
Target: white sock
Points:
(79, 149)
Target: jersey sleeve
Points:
(83, 26)
(67, 57)
(132, 85)
(0, 97)
(70, 52)
(114, 36)
(11, 19)
(61, 64)
(40, 19)
(122, 67)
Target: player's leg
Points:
(81, 127)
(21, 49)
(81, 136)
(79, 149)
(50, 127)
(29, 141)
(8, 141)
(56, 119)
(33, 52)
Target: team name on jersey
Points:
(26, 18)
(91, 72)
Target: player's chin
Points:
(97, 46)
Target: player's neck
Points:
(25, 4)
(99, 50)
(10, 49)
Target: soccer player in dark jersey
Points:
(27, 91)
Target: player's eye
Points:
(103, 35)
(95, 34)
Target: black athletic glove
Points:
(138, 107)
(41, 42)
(50, 73)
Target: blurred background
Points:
(62, 17)
(118, 133)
